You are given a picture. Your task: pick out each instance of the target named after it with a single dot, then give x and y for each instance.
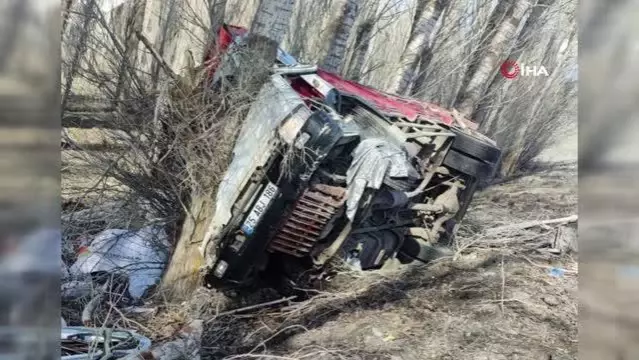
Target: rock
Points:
(566, 240)
(551, 300)
(377, 332)
(474, 260)
(490, 356)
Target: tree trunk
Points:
(521, 44)
(217, 15)
(416, 90)
(190, 256)
(489, 61)
(425, 58)
(271, 19)
(337, 49)
(426, 16)
(362, 44)
(511, 160)
(68, 4)
(496, 17)
(80, 48)
(530, 27)
(134, 23)
(183, 274)
(168, 17)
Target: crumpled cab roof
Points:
(388, 104)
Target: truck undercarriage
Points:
(325, 168)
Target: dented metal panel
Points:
(253, 147)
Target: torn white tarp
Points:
(141, 255)
(375, 161)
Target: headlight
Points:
(291, 126)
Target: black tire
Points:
(419, 250)
(483, 171)
(475, 147)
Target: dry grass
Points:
(495, 299)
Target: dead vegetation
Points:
(170, 142)
(505, 296)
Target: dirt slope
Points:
(504, 295)
(501, 297)
(504, 310)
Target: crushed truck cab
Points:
(325, 167)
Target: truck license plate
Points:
(260, 207)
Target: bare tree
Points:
(442, 69)
(271, 19)
(130, 47)
(426, 56)
(497, 42)
(523, 42)
(511, 160)
(337, 50)
(426, 16)
(217, 13)
(362, 44)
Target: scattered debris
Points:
(557, 272)
(87, 343)
(140, 255)
(186, 346)
(64, 270)
(89, 308)
(253, 307)
(139, 310)
(528, 224)
(75, 289)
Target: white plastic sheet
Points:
(141, 255)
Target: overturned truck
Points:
(325, 167)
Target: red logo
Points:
(509, 69)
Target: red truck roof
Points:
(389, 104)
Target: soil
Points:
(510, 301)
(501, 297)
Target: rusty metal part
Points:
(446, 205)
(426, 207)
(421, 233)
(310, 215)
(422, 186)
(430, 173)
(328, 253)
(449, 201)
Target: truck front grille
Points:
(309, 217)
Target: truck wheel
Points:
(483, 171)
(416, 249)
(476, 147)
